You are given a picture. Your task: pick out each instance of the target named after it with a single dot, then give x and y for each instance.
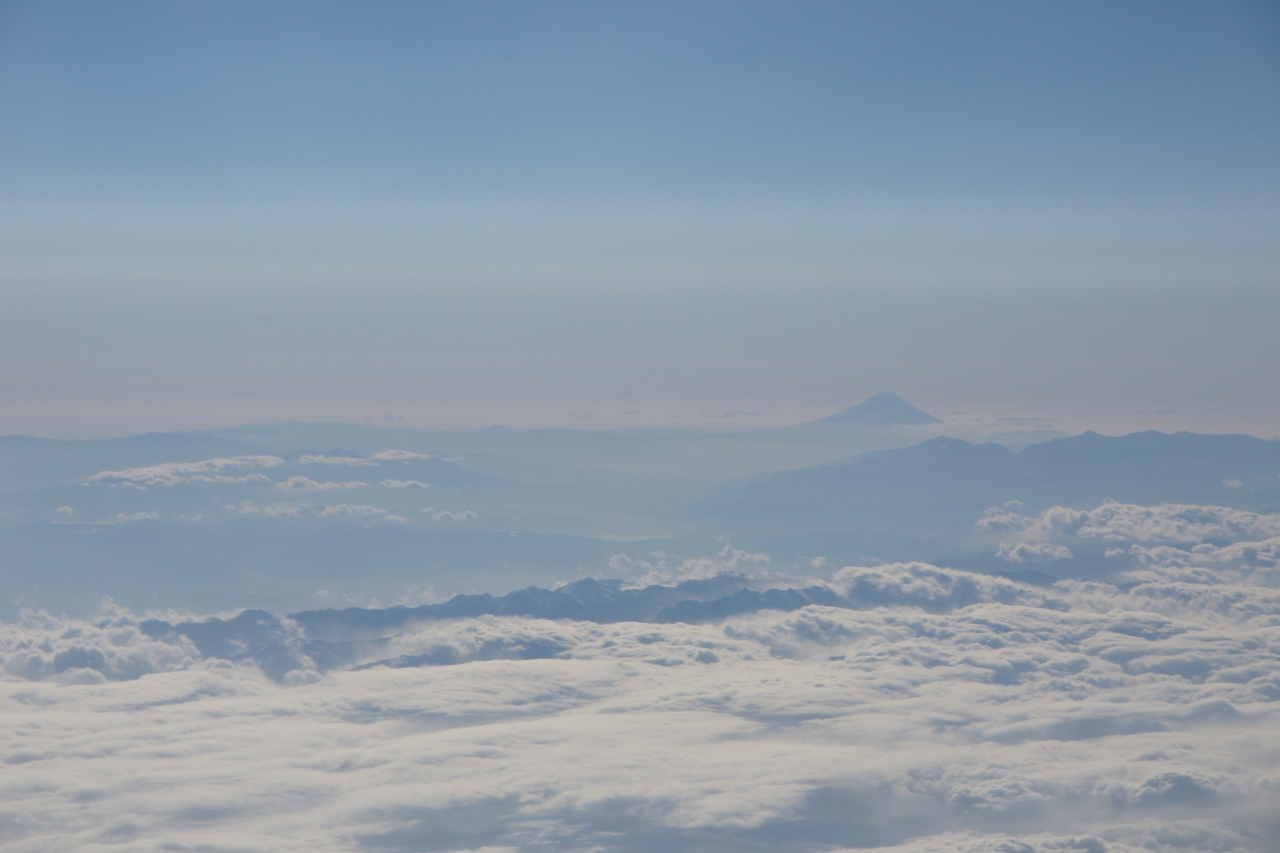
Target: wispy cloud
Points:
(174, 473)
(297, 510)
(356, 510)
(451, 515)
(321, 459)
(382, 456)
(659, 569)
(1029, 552)
(273, 510)
(400, 456)
(404, 484)
(307, 484)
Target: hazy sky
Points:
(457, 214)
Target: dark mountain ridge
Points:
(359, 636)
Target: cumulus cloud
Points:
(1171, 534)
(927, 587)
(1169, 523)
(923, 710)
(40, 647)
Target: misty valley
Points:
(294, 516)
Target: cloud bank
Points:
(920, 709)
(1171, 536)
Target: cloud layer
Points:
(925, 709)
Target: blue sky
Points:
(987, 157)
(251, 103)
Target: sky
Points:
(732, 214)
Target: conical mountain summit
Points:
(885, 408)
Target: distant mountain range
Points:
(302, 515)
(945, 484)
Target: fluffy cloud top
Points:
(1173, 535)
(922, 709)
(1179, 524)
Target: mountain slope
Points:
(885, 408)
(943, 485)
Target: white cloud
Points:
(1169, 523)
(953, 713)
(321, 459)
(273, 510)
(354, 509)
(307, 484)
(298, 510)
(660, 571)
(382, 456)
(927, 587)
(451, 515)
(137, 516)
(216, 472)
(173, 473)
(1170, 534)
(41, 647)
(1026, 552)
(400, 456)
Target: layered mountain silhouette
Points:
(883, 409)
(349, 514)
(361, 637)
(945, 484)
(340, 638)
